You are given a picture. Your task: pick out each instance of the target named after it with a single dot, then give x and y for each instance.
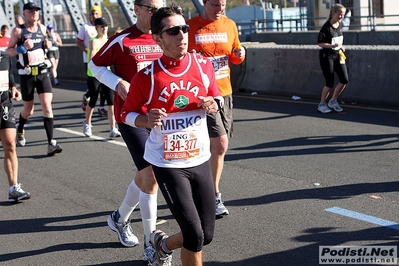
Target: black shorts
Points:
(330, 64)
(41, 82)
(135, 139)
(221, 123)
(53, 54)
(7, 112)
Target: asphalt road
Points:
(294, 180)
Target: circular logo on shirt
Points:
(181, 101)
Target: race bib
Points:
(181, 145)
(36, 57)
(221, 66)
(144, 64)
(184, 135)
(4, 80)
(337, 40)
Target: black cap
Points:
(31, 6)
(100, 21)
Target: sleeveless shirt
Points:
(36, 55)
(176, 85)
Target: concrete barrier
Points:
(287, 70)
(351, 37)
(71, 63)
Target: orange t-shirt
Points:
(216, 40)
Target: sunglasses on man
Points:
(176, 30)
(150, 9)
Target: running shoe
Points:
(125, 234)
(114, 133)
(333, 104)
(220, 208)
(102, 112)
(87, 129)
(53, 148)
(148, 253)
(21, 141)
(85, 101)
(323, 108)
(18, 194)
(161, 258)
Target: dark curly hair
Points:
(164, 12)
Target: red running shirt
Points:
(128, 52)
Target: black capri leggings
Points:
(94, 87)
(190, 196)
(329, 64)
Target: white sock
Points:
(130, 202)
(148, 209)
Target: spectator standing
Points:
(178, 87)
(94, 86)
(215, 36)
(53, 53)
(128, 52)
(8, 91)
(85, 34)
(29, 42)
(332, 59)
(4, 37)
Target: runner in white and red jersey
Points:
(178, 89)
(128, 52)
(174, 86)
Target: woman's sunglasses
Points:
(150, 9)
(176, 30)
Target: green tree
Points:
(112, 7)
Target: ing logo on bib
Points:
(181, 102)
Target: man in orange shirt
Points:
(215, 36)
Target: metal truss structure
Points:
(128, 9)
(8, 8)
(47, 16)
(78, 18)
(198, 5)
(95, 3)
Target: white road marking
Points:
(364, 217)
(92, 137)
